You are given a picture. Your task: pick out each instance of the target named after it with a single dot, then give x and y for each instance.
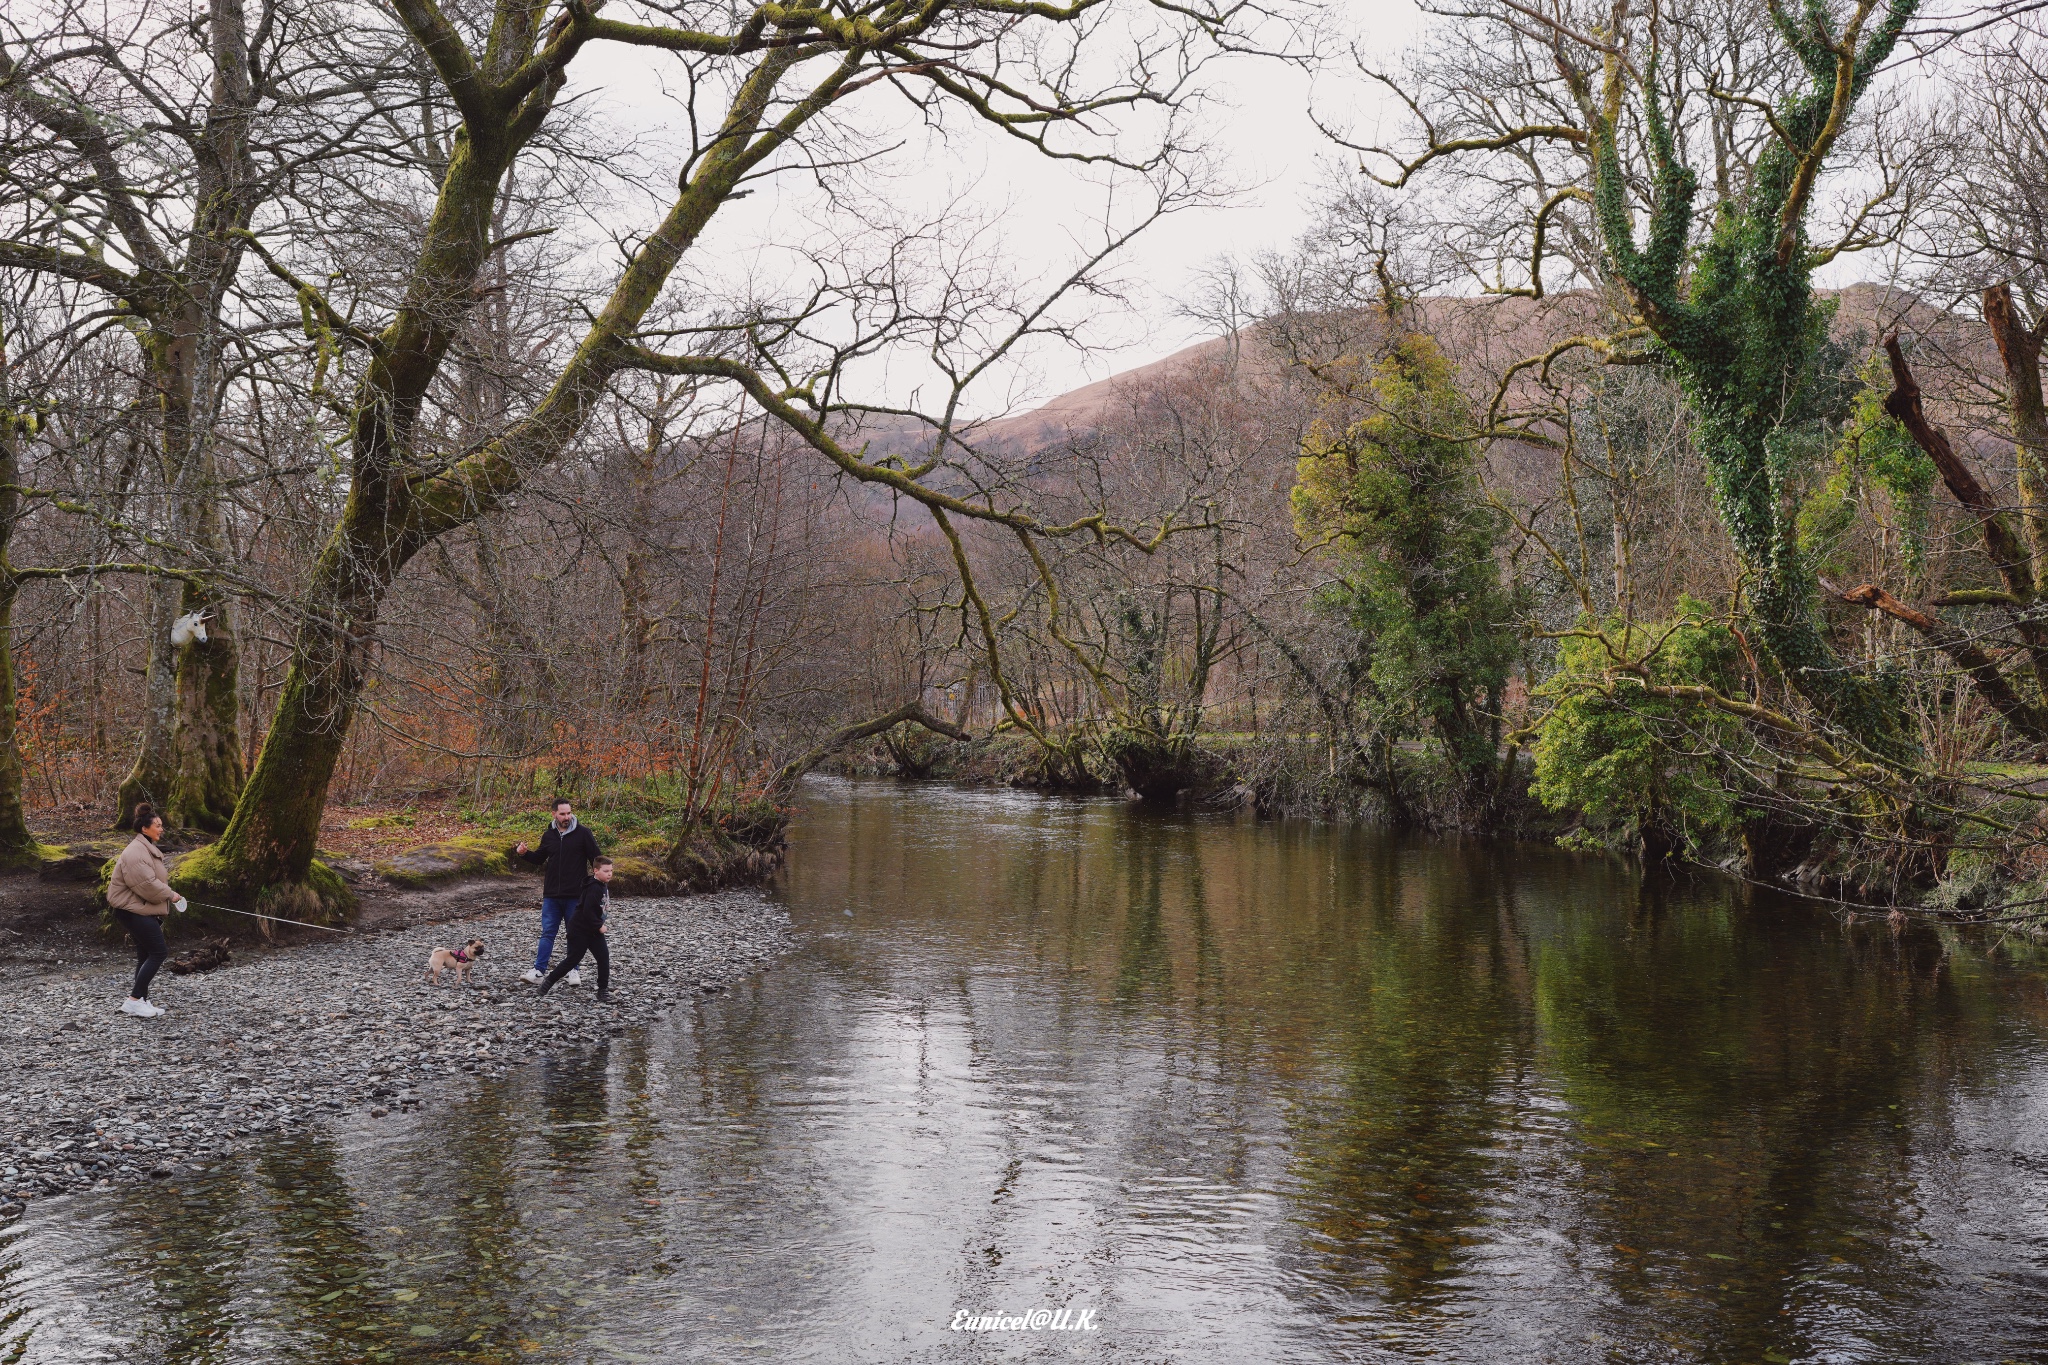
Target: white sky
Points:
(1260, 133)
(1040, 211)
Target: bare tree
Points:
(145, 146)
(763, 96)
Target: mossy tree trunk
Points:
(206, 744)
(783, 785)
(150, 777)
(190, 763)
(16, 843)
(206, 747)
(270, 841)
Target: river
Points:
(1224, 1090)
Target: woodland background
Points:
(1541, 488)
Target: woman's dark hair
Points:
(145, 816)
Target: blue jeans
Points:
(554, 910)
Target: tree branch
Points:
(911, 713)
(1904, 404)
(2026, 717)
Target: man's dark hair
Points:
(559, 802)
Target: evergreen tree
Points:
(1396, 496)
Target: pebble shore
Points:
(90, 1096)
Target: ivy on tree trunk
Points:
(1742, 330)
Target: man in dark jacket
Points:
(567, 850)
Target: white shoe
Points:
(141, 1009)
(532, 974)
(575, 978)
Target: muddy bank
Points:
(289, 1033)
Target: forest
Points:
(1644, 448)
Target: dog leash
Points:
(332, 929)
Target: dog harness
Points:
(459, 954)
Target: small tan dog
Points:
(457, 960)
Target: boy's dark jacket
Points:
(590, 907)
(568, 858)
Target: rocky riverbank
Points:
(288, 1035)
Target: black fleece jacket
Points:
(568, 859)
(589, 916)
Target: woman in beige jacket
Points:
(140, 892)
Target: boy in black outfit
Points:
(587, 928)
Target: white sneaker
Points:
(141, 1009)
(575, 978)
(532, 974)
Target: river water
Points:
(1229, 1091)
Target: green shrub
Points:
(1642, 771)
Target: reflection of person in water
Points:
(576, 1102)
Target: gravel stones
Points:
(347, 1025)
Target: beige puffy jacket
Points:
(141, 879)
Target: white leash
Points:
(332, 929)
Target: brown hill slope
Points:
(1488, 337)
(1484, 336)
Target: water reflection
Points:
(1252, 1092)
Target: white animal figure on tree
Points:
(190, 629)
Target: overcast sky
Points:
(1028, 215)
(1258, 127)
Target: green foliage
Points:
(1395, 494)
(1873, 449)
(1639, 768)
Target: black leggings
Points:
(150, 948)
(580, 942)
